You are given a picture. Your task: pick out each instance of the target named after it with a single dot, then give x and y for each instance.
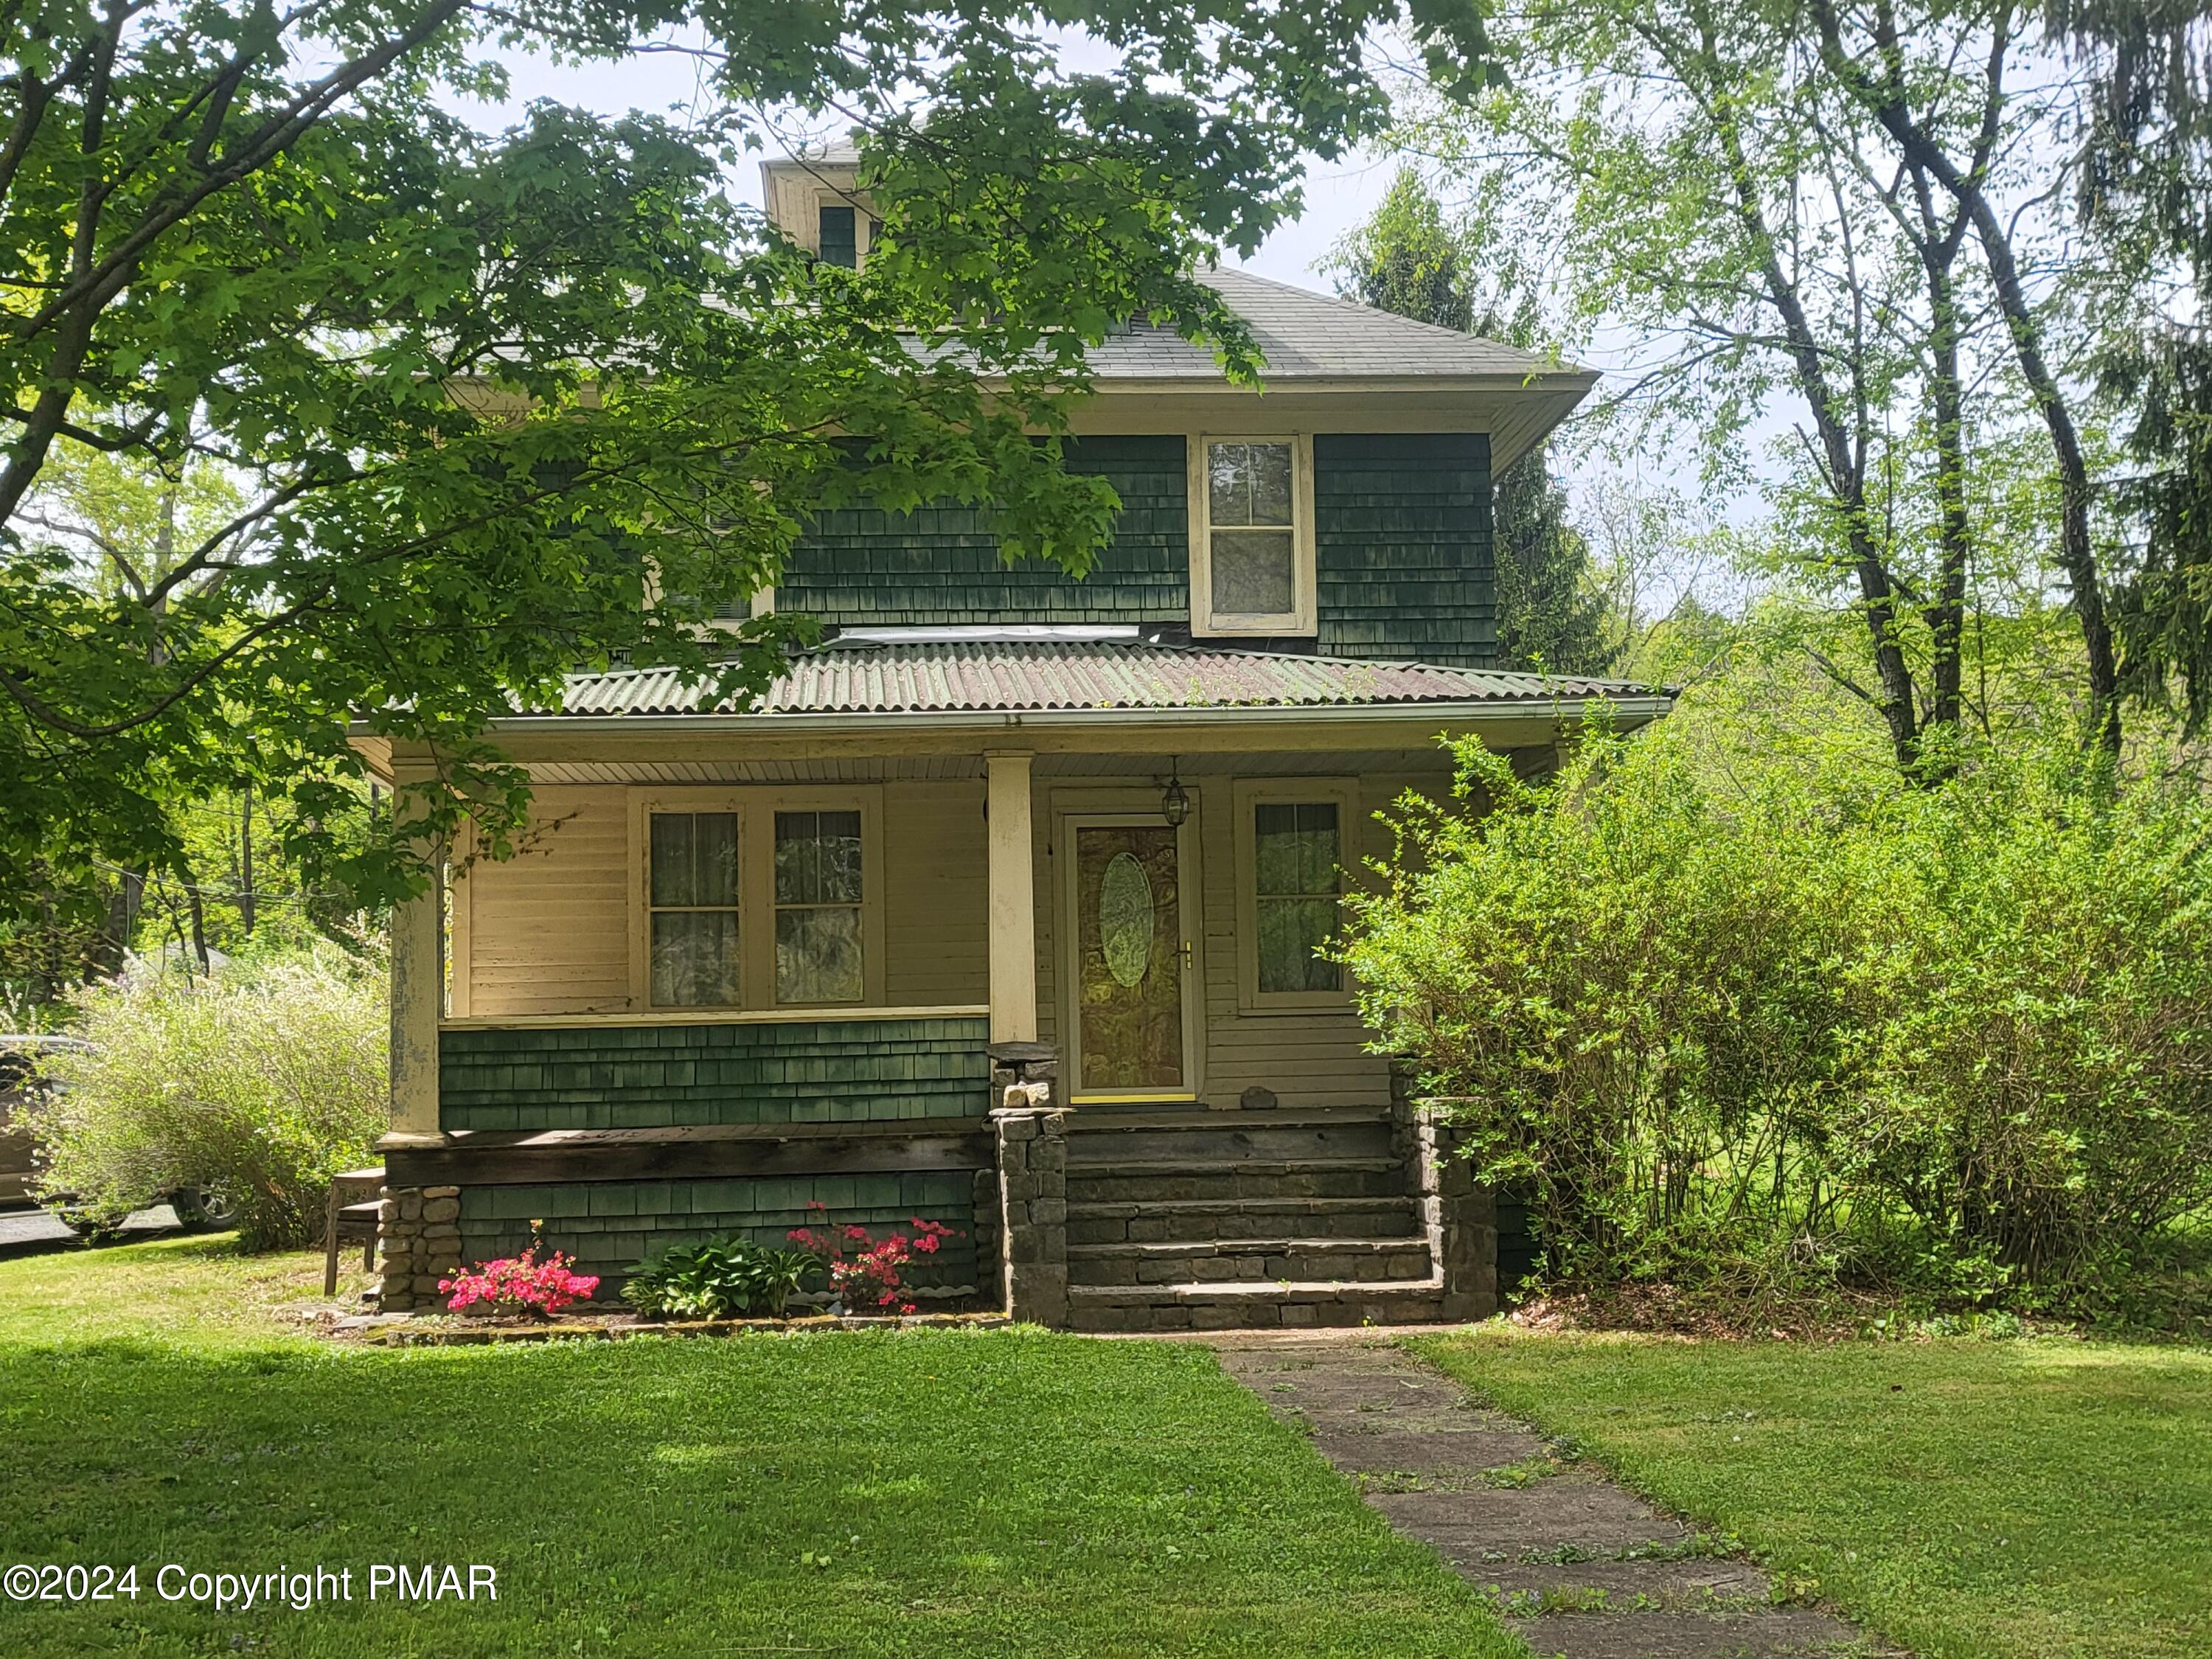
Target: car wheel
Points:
(208, 1209)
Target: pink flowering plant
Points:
(532, 1283)
(865, 1271)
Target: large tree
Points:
(1409, 258)
(1855, 217)
(2145, 194)
(477, 394)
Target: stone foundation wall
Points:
(418, 1241)
(1460, 1218)
(1033, 1210)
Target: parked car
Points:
(18, 1062)
(199, 1209)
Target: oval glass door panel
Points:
(1128, 980)
(1125, 918)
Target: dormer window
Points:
(1251, 544)
(818, 202)
(838, 236)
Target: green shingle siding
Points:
(1402, 547)
(658, 1077)
(858, 566)
(607, 1225)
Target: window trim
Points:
(1246, 795)
(871, 905)
(740, 909)
(755, 809)
(838, 195)
(1302, 617)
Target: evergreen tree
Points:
(1407, 259)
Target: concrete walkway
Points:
(1580, 1567)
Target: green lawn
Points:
(929, 1493)
(2028, 1500)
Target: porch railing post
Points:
(1460, 1218)
(1032, 1159)
(1012, 898)
(418, 997)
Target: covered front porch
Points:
(902, 963)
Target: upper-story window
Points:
(1252, 546)
(818, 202)
(838, 236)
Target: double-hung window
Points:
(838, 235)
(1252, 547)
(759, 899)
(1294, 843)
(692, 900)
(819, 892)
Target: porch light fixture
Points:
(1175, 800)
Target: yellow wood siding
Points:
(936, 895)
(549, 931)
(1306, 1057)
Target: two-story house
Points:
(1003, 908)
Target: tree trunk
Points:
(246, 864)
(1887, 101)
(1946, 613)
(113, 943)
(1845, 461)
(198, 911)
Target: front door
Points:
(1132, 962)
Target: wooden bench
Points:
(349, 1217)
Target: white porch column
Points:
(1013, 898)
(418, 995)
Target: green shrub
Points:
(716, 1278)
(1756, 1029)
(264, 1081)
(2033, 1010)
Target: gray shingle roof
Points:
(1311, 336)
(1017, 676)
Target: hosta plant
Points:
(716, 1278)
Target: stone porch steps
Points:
(1231, 1136)
(1159, 1221)
(1251, 1260)
(1220, 1307)
(1211, 1220)
(1092, 1180)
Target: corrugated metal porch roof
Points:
(1026, 676)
